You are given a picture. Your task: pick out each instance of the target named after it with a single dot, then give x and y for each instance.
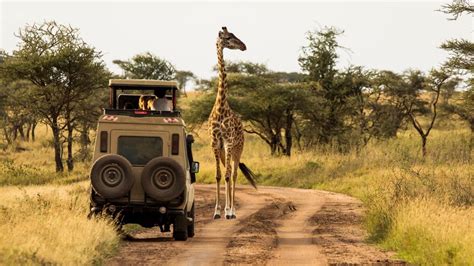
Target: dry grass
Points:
(49, 225)
(433, 233)
(43, 215)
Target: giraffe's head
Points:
(230, 41)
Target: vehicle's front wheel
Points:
(180, 228)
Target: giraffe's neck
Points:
(221, 100)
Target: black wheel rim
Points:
(112, 175)
(163, 178)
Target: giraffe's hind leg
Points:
(236, 158)
(217, 210)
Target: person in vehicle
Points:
(142, 103)
(160, 104)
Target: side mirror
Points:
(195, 167)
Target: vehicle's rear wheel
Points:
(180, 228)
(163, 179)
(111, 176)
(191, 226)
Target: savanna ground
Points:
(419, 207)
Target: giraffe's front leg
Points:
(217, 210)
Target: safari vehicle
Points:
(143, 170)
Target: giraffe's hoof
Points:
(217, 216)
(233, 216)
(228, 217)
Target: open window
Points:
(125, 93)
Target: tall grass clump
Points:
(428, 232)
(22, 174)
(50, 226)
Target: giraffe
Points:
(225, 128)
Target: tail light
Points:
(175, 144)
(103, 141)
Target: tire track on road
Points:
(209, 246)
(295, 233)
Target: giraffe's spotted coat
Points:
(225, 128)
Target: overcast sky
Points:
(382, 35)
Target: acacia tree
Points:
(63, 70)
(461, 60)
(273, 113)
(330, 110)
(416, 83)
(387, 91)
(85, 119)
(18, 121)
(183, 77)
(147, 66)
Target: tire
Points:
(180, 228)
(111, 176)
(163, 179)
(191, 226)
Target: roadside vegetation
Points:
(43, 214)
(420, 207)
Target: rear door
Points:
(139, 147)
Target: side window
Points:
(140, 150)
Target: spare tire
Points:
(111, 176)
(163, 179)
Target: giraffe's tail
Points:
(248, 174)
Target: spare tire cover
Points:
(163, 179)
(111, 176)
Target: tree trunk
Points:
(273, 145)
(14, 132)
(22, 132)
(84, 142)
(288, 136)
(7, 136)
(57, 146)
(423, 146)
(28, 130)
(33, 128)
(298, 135)
(70, 159)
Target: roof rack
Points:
(143, 83)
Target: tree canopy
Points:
(147, 66)
(63, 70)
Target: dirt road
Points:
(274, 226)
